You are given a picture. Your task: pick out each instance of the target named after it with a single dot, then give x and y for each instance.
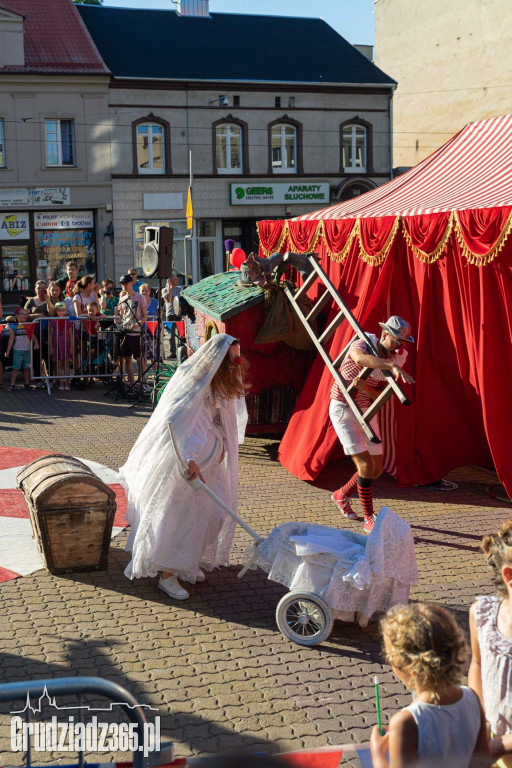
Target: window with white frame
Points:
(60, 142)
(228, 148)
(150, 148)
(2, 145)
(284, 148)
(354, 148)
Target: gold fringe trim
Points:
(340, 256)
(279, 245)
(485, 258)
(432, 256)
(379, 257)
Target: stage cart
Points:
(331, 573)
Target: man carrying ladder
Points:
(367, 456)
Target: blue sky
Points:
(351, 18)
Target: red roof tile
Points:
(56, 39)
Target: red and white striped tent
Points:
(432, 246)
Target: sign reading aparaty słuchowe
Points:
(295, 193)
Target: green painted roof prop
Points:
(220, 296)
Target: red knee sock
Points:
(365, 491)
(349, 488)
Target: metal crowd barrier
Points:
(78, 348)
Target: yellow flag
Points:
(190, 212)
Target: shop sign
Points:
(297, 193)
(14, 226)
(41, 196)
(71, 220)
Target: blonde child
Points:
(20, 343)
(444, 727)
(62, 343)
(490, 623)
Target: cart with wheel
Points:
(331, 573)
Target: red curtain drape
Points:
(480, 229)
(337, 233)
(302, 235)
(462, 364)
(426, 232)
(270, 234)
(373, 234)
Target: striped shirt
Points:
(350, 369)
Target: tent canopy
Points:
(472, 170)
(431, 246)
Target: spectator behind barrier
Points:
(107, 299)
(61, 344)
(19, 343)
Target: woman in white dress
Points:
(175, 530)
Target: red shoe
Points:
(369, 523)
(343, 504)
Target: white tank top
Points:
(447, 734)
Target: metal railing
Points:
(73, 347)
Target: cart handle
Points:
(198, 484)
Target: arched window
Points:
(151, 146)
(283, 142)
(228, 148)
(355, 146)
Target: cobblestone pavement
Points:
(216, 666)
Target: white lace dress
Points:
(174, 527)
(496, 657)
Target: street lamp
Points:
(223, 101)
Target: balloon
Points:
(237, 258)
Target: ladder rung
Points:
(306, 285)
(332, 327)
(338, 360)
(318, 306)
(378, 403)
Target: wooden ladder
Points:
(333, 365)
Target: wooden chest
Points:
(72, 513)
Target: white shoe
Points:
(173, 588)
(200, 576)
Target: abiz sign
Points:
(14, 226)
(279, 194)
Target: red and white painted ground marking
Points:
(19, 555)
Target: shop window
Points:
(60, 238)
(228, 148)
(284, 148)
(150, 148)
(354, 148)
(60, 142)
(2, 146)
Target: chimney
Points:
(197, 8)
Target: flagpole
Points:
(190, 220)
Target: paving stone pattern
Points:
(216, 666)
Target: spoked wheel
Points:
(304, 618)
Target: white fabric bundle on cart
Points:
(351, 572)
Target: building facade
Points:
(265, 135)
(55, 174)
(453, 64)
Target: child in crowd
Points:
(445, 726)
(490, 623)
(92, 327)
(20, 343)
(61, 342)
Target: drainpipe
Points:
(390, 131)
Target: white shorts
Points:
(350, 434)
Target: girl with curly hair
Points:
(490, 623)
(445, 725)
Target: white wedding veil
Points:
(151, 474)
